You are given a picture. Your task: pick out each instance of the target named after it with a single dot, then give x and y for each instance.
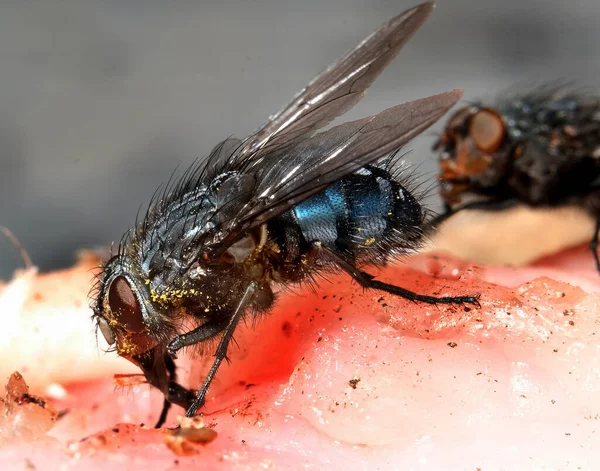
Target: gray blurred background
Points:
(101, 100)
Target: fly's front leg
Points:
(367, 281)
(200, 334)
(176, 393)
(170, 365)
(221, 352)
(160, 372)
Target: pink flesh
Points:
(512, 385)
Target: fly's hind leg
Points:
(369, 282)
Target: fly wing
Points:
(316, 163)
(334, 91)
(289, 176)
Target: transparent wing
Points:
(289, 176)
(334, 91)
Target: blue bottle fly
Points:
(282, 206)
(539, 148)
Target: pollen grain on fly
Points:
(370, 241)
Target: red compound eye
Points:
(124, 305)
(487, 130)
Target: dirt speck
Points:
(452, 344)
(354, 382)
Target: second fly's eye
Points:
(487, 130)
(124, 305)
(107, 332)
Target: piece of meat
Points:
(46, 326)
(343, 378)
(518, 236)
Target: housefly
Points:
(279, 207)
(539, 148)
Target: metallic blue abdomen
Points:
(357, 211)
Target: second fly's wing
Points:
(334, 91)
(291, 175)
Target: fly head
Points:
(475, 154)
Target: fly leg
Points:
(179, 395)
(486, 205)
(176, 393)
(594, 244)
(221, 352)
(204, 332)
(161, 374)
(367, 281)
(489, 205)
(170, 365)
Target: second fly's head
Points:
(475, 154)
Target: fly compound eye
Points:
(107, 332)
(487, 130)
(124, 305)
